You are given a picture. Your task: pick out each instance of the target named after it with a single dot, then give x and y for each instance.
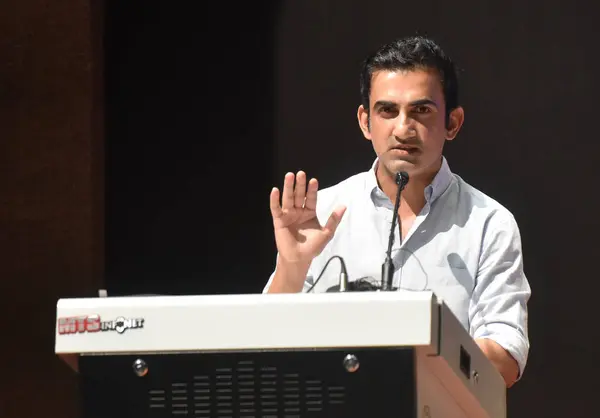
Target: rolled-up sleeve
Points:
(498, 308)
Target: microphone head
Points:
(401, 178)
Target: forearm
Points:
(501, 359)
(289, 277)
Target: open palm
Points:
(298, 234)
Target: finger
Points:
(287, 201)
(311, 195)
(334, 220)
(276, 211)
(300, 189)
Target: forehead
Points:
(404, 86)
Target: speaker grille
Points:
(246, 391)
(250, 384)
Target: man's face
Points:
(407, 123)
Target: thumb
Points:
(334, 220)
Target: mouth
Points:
(405, 149)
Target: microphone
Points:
(387, 269)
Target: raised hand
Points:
(298, 234)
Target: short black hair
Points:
(412, 53)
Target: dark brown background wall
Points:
(51, 197)
(199, 124)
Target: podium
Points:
(354, 354)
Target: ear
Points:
(363, 122)
(455, 122)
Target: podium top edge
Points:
(308, 298)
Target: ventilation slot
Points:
(336, 395)
(313, 396)
(179, 399)
(291, 395)
(202, 396)
(224, 392)
(246, 391)
(158, 399)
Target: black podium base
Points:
(355, 383)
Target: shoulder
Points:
(342, 193)
(494, 214)
(351, 185)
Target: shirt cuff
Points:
(508, 338)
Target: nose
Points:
(404, 126)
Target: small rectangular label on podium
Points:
(93, 323)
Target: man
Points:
(452, 238)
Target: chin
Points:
(401, 165)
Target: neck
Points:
(412, 199)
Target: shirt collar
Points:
(440, 183)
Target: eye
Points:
(422, 109)
(388, 111)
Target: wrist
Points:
(289, 276)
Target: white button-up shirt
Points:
(464, 246)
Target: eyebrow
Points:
(386, 103)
